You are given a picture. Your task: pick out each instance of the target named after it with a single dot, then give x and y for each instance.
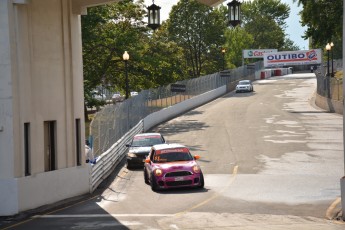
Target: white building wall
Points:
(41, 80)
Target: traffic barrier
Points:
(278, 72)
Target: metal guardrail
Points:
(107, 162)
(111, 124)
(331, 84)
(114, 120)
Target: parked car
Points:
(99, 96)
(133, 93)
(117, 97)
(172, 166)
(244, 86)
(140, 147)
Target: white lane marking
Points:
(103, 215)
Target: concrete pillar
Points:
(7, 183)
(342, 180)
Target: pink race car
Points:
(172, 166)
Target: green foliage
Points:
(237, 39)
(199, 30)
(187, 45)
(108, 31)
(265, 21)
(324, 21)
(269, 9)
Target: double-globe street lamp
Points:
(223, 53)
(328, 48)
(125, 57)
(332, 44)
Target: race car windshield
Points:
(172, 156)
(146, 142)
(244, 83)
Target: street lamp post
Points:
(332, 44)
(223, 53)
(125, 57)
(328, 48)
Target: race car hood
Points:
(140, 150)
(178, 165)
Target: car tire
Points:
(154, 186)
(129, 165)
(146, 179)
(202, 182)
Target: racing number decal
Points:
(157, 158)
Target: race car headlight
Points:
(158, 172)
(131, 155)
(196, 169)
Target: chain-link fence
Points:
(114, 120)
(328, 86)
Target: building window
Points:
(27, 149)
(77, 141)
(49, 145)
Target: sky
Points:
(294, 29)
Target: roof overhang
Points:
(80, 6)
(211, 3)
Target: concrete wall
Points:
(329, 105)
(342, 180)
(41, 80)
(173, 111)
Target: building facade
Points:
(42, 102)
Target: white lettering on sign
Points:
(302, 57)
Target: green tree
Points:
(237, 39)
(108, 31)
(324, 21)
(265, 21)
(162, 60)
(199, 30)
(270, 9)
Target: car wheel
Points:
(129, 165)
(154, 186)
(202, 183)
(146, 177)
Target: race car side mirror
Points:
(196, 157)
(147, 160)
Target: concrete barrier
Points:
(328, 104)
(158, 117)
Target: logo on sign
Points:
(250, 53)
(311, 55)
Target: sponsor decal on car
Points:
(185, 150)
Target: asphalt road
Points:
(271, 160)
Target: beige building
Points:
(41, 102)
